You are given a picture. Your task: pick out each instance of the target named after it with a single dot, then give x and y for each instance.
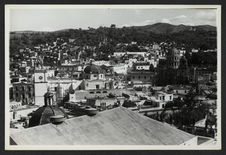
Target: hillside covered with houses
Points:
(164, 72)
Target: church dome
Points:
(43, 114)
(93, 69)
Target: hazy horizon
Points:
(105, 26)
(60, 19)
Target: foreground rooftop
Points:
(119, 126)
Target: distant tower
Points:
(60, 93)
(72, 96)
(39, 62)
(32, 62)
(79, 55)
(40, 85)
(183, 71)
(183, 65)
(173, 58)
(59, 56)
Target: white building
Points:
(162, 96)
(40, 86)
(119, 54)
(120, 68)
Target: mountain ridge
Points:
(157, 28)
(166, 28)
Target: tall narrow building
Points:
(173, 58)
(40, 86)
(183, 71)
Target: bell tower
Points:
(40, 85)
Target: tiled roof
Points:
(119, 126)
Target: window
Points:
(97, 86)
(23, 96)
(98, 92)
(91, 92)
(163, 98)
(105, 92)
(144, 77)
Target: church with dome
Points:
(45, 114)
(94, 78)
(93, 72)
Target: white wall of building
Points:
(119, 54)
(40, 90)
(21, 113)
(94, 84)
(181, 91)
(121, 69)
(164, 97)
(143, 67)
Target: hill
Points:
(165, 28)
(202, 36)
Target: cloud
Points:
(146, 22)
(175, 20)
(165, 20)
(206, 15)
(202, 17)
(180, 17)
(47, 29)
(142, 23)
(126, 25)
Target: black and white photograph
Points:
(112, 77)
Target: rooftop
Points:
(119, 126)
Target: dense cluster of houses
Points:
(131, 82)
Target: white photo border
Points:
(218, 145)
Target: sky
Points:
(57, 19)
